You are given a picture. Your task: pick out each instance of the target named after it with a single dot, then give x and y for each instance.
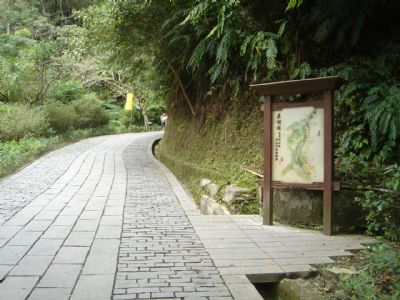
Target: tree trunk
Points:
(62, 12)
(42, 75)
(183, 90)
(145, 120)
(8, 28)
(43, 7)
(176, 75)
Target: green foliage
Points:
(382, 205)
(90, 112)
(382, 107)
(379, 278)
(18, 120)
(61, 116)
(65, 90)
(14, 154)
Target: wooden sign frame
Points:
(269, 91)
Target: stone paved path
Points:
(102, 219)
(18, 190)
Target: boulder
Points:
(233, 193)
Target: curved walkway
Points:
(102, 219)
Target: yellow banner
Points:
(129, 101)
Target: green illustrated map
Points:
(298, 152)
(296, 141)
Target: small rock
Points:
(204, 204)
(204, 182)
(338, 271)
(213, 188)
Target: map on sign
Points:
(298, 145)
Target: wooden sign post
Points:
(298, 141)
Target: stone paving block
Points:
(65, 220)
(54, 206)
(244, 262)
(46, 247)
(50, 294)
(71, 255)
(32, 265)
(95, 206)
(108, 232)
(100, 265)
(46, 215)
(4, 269)
(105, 247)
(96, 287)
(86, 225)
(249, 270)
(111, 220)
(17, 287)
(303, 261)
(23, 238)
(40, 225)
(119, 202)
(57, 232)
(113, 211)
(6, 232)
(12, 254)
(329, 253)
(90, 215)
(238, 256)
(79, 238)
(235, 279)
(60, 276)
(20, 220)
(71, 211)
(283, 254)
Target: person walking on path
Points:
(164, 120)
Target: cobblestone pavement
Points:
(160, 255)
(102, 219)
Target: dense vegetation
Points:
(55, 86)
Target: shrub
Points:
(61, 116)
(18, 120)
(382, 205)
(65, 91)
(90, 112)
(379, 278)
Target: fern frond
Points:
(271, 53)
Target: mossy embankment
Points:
(219, 145)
